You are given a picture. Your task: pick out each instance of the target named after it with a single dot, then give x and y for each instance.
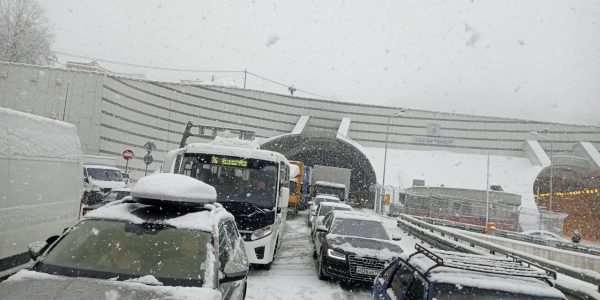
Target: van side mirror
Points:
(86, 180)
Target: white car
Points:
(314, 205)
(323, 210)
(547, 235)
(170, 240)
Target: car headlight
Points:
(337, 255)
(261, 233)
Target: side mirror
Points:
(234, 271)
(284, 197)
(279, 210)
(396, 237)
(310, 202)
(321, 228)
(86, 180)
(36, 249)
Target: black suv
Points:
(451, 275)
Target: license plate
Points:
(367, 271)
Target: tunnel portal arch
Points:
(576, 192)
(324, 148)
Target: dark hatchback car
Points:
(352, 246)
(445, 275)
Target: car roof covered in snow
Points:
(327, 196)
(101, 167)
(483, 272)
(206, 218)
(355, 215)
(336, 204)
(235, 152)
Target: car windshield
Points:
(111, 249)
(327, 208)
(458, 292)
(248, 180)
(360, 228)
(104, 174)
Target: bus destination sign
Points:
(228, 161)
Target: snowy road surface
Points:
(293, 274)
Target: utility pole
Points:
(487, 192)
(245, 76)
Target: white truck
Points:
(100, 176)
(330, 180)
(40, 183)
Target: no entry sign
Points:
(127, 154)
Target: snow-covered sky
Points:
(535, 59)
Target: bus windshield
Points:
(235, 179)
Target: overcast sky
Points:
(526, 59)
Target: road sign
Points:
(149, 146)
(127, 154)
(148, 159)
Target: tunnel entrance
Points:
(576, 192)
(324, 148)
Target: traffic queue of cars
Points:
(356, 247)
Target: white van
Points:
(40, 182)
(102, 178)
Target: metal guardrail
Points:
(450, 239)
(516, 236)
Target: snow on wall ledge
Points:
(515, 174)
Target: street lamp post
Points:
(387, 135)
(544, 134)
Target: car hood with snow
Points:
(364, 247)
(30, 285)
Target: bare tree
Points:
(25, 35)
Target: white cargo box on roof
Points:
(169, 188)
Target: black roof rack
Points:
(486, 264)
(210, 132)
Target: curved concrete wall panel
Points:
(114, 113)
